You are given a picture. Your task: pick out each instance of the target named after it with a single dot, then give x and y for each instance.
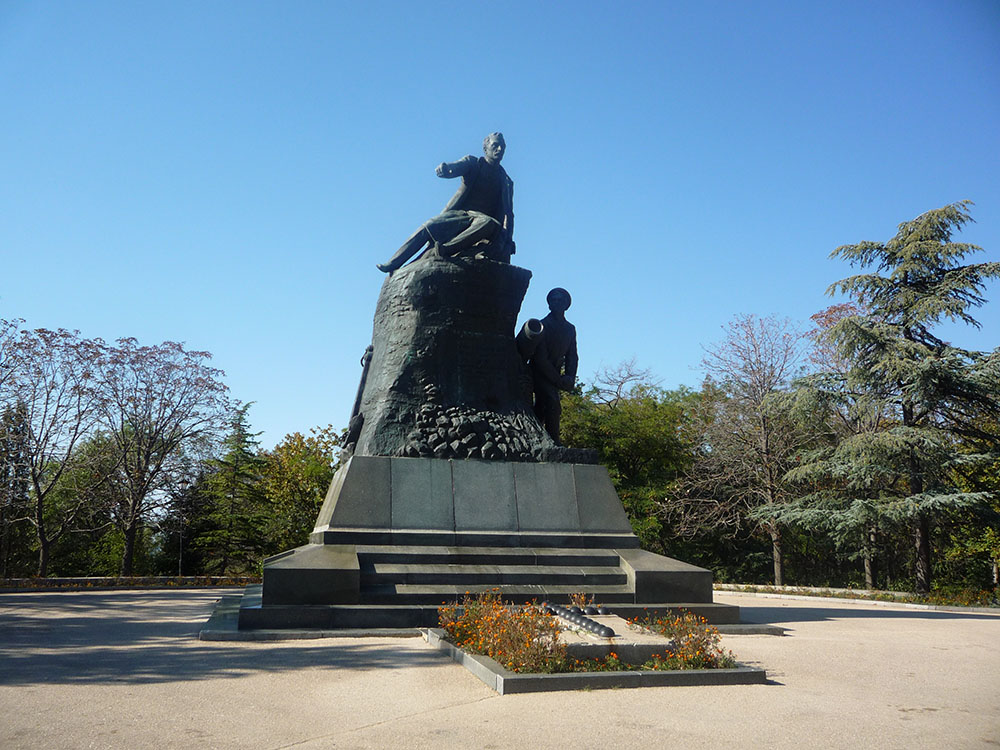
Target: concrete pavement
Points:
(124, 669)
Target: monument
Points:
(453, 477)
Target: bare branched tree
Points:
(52, 386)
(612, 384)
(160, 403)
(745, 433)
(9, 330)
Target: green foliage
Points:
(294, 479)
(232, 539)
(15, 504)
(971, 538)
(92, 553)
(637, 435)
(905, 399)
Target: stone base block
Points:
(313, 574)
(655, 578)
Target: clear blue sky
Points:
(227, 174)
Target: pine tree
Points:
(913, 395)
(232, 491)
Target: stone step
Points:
(371, 615)
(438, 555)
(428, 594)
(490, 575)
(430, 538)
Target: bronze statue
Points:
(552, 356)
(481, 209)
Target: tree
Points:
(182, 526)
(833, 499)
(53, 388)
(296, 475)
(90, 546)
(977, 532)
(932, 392)
(748, 436)
(162, 405)
(14, 497)
(232, 489)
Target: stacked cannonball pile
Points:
(577, 617)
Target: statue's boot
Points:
(409, 248)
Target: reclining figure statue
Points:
(481, 209)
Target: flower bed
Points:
(522, 639)
(525, 639)
(695, 643)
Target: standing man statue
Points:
(481, 209)
(554, 361)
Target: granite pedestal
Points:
(397, 537)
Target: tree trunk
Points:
(922, 525)
(871, 569)
(996, 574)
(4, 544)
(44, 543)
(44, 550)
(779, 560)
(129, 555)
(922, 542)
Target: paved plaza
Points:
(125, 669)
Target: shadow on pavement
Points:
(150, 636)
(778, 614)
(179, 661)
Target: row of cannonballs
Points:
(578, 616)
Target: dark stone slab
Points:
(546, 497)
(359, 496)
(484, 496)
(471, 502)
(422, 495)
(716, 614)
(414, 613)
(417, 537)
(598, 505)
(351, 536)
(425, 536)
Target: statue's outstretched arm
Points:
(455, 168)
